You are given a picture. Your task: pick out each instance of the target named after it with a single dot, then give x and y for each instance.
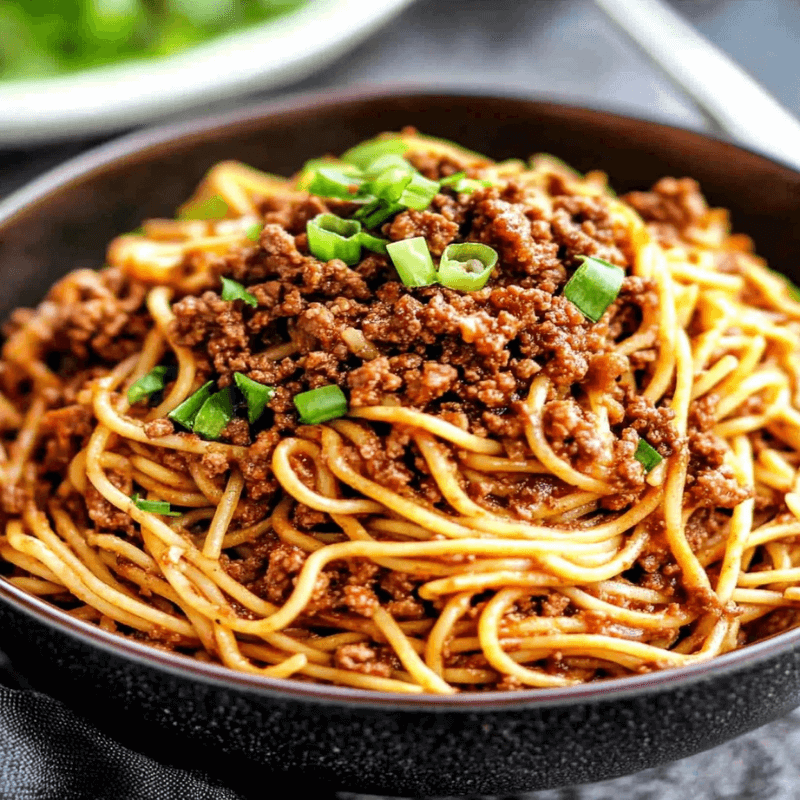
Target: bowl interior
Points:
(65, 220)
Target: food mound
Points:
(413, 421)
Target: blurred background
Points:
(76, 72)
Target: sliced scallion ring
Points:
(161, 507)
(464, 185)
(185, 413)
(147, 385)
(382, 163)
(232, 290)
(382, 212)
(366, 152)
(373, 243)
(214, 414)
(419, 192)
(466, 266)
(310, 168)
(321, 405)
(330, 237)
(256, 395)
(253, 233)
(413, 262)
(391, 183)
(334, 182)
(647, 455)
(594, 286)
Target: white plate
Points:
(104, 99)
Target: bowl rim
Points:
(114, 152)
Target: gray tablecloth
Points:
(565, 49)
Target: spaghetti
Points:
(499, 492)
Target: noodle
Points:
(516, 495)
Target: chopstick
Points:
(733, 99)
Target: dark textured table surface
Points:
(567, 50)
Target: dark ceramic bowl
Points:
(249, 730)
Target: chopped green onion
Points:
(419, 192)
(365, 153)
(214, 414)
(450, 180)
(464, 185)
(381, 214)
(232, 290)
(379, 165)
(391, 183)
(333, 182)
(320, 405)
(148, 384)
(594, 286)
(154, 506)
(213, 207)
(469, 185)
(647, 455)
(186, 412)
(253, 233)
(310, 169)
(413, 262)
(466, 266)
(256, 395)
(330, 237)
(374, 243)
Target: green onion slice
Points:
(330, 237)
(320, 405)
(148, 384)
(366, 152)
(450, 180)
(391, 183)
(464, 185)
(466, 266)
(232, 290)
(334, 182)
(310, 168)
(256, 395)
(594, 286)
(382, 163)
(253, 233)
(154, 506)
(186, 412)
(374, 243)
(419, 192)
(215, 413)
(213, 207)
(413, 261)
(381, 213)
(647, 455)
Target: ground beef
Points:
(159, 427)
(360, 657)
(437, 230)
(64, 432)
(672, 207)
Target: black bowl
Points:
(247, 729)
